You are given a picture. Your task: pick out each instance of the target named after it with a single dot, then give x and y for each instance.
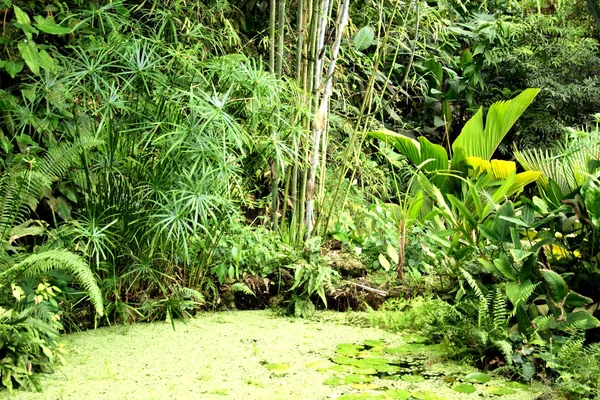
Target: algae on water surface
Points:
(249, 355)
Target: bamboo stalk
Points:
(272, 35)
(320, 121)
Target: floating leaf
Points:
(364, 38)
(500, 391)
(364, 386)
(374, 343)
(464, 388)
(478, 377)
(397, 394)
(362, 396)
(343, 360)
(355, 378)
(348, 349)
(417, 339)
(277, 367)
(335, 381)
(412, 378)
(425, 395)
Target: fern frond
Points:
(57, 161)
(243, 288)
(37, 264)
(506, 350)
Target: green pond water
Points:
(258, 355)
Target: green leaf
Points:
(591, 198)
(13, 68)
(364, 38)
(29, 52)
(384, 262)
(277, 367)
(477, 377)
(393, 254)
(500, 391)
(482, 142)
(397, 394)
(520, 255)
(48, 25)
(577, 300)
(46, 62)
(558, 286)
(412, 378)
(22, 17)
(464, 388)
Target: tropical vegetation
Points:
(162, 158)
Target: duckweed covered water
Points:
(257, 355)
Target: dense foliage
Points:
(158, 158)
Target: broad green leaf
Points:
(46, 62)
(364, 38)
(477, 377)
(432, 158)
(412, 378)
(520, 255)
(463, 210)
(277, 367)
(482, 142)
(500, 391)
(558, 286)
(591, 198)
(576, 300)
(48, 25)
(13, 68)
(464, 388)
(582, 320)
(22, 17)
(397, 394)
(503, 264)
(393, 254)
(384, 262)
(29, 52)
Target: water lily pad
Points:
(343, 360)
(425, 395)
(335, 381)
(417, 339)
(406, 348)
(477, 377)
(500, 391)
(374, 361)
(464, 388)
(355, 378)
(344, 369)
(361, 396)
(348, 349)
(397, 394)
(277, 367)
(364, 386)
(374, 343)
(386, 368)
(412, 378)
